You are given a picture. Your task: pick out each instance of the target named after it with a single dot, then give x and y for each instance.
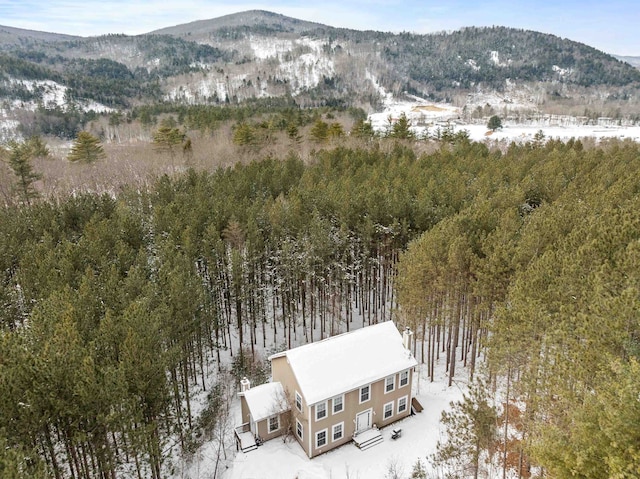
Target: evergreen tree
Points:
(244, 135)
(319, 131)
(470, 432)
(16, 463)
(38, 147)
(187, 149)
(619, 403)
(86, 149)
(401, 128)
(20, 157)
(538, 138)
(167, 138)
(293, 132)
(336, 130)
(362, 129)
(494, 123)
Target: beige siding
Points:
(352, 407)
(281, 371)
(246, 415)
(263, 427)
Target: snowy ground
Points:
(526, 133)
(428, 117)
(277, 459)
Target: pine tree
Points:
(20, 156)
(167, 138)
(494, 123)
(470, 431)
(362, 129)
(336, 130)
(86, 149)
(244, 135)
(401, 128)
(38, 147)
(538, 138)
(319, 131)
(293, 132)
(17, 463)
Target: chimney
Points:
(407, 335)
(245, 385)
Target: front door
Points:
(363, 421)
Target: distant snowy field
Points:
(430, 116)
(277, 459)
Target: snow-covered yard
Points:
(278, 459)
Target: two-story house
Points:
(339, 389)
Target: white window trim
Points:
(298, 401)
(326, 411)
(360, 394)
(400, 385)
(333, 404)
(406, 404)
(384, 411)
(277, 417)
(393, 384)
(299, 430)
(333, 428)
(326, 438)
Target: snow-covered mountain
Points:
(260, 54)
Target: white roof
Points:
(266, 400)
(343, 363)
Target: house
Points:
(339, 389)
(265, 413)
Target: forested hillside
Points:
(257, 55)
(117, 308)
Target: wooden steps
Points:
(245, 440)
(367, 439)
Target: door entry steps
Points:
(367, 439)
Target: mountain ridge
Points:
(634, 61)
(247, 19)
(9, 35)
(260, 54)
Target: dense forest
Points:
(115, 309)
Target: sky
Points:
(611, 26)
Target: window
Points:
(365, 393)
(321, 410)
(404, 378)
(321, 438)
(299, 429)
(337, 431)
(338, 404)
(389, 384)
(298, 402)
(388, 410)
(274, 423)
(402, 404)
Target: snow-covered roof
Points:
(266, 400)
(343, 363)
